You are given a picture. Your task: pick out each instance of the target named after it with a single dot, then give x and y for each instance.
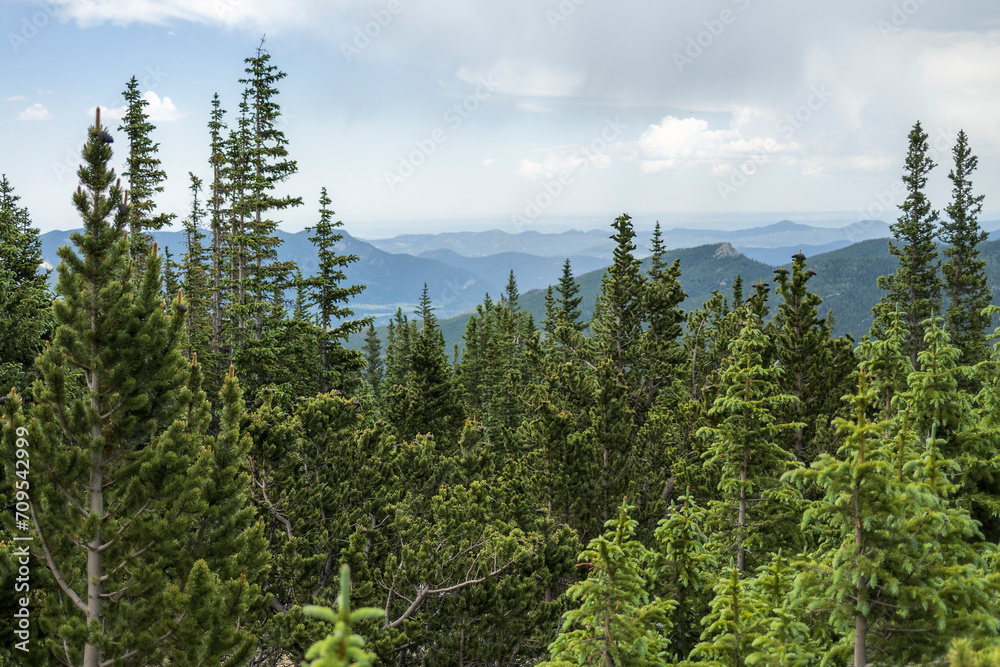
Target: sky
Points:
(435, 115)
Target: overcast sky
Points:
(523, 114)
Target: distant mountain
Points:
(392, 281)
(845, 279)
(781, 255)
(493, 242)
(596, 243)
(531, 271)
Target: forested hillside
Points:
(642, 466)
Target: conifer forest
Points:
(199, 470)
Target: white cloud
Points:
(488, 161)
(522, 78)
(554, 164)
(531, 107)
(159, 110)
(679, 143)
(16, 98)
(35, 112)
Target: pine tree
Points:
(965, 281)
(25, 317)
(618, 622)
(733, 625)
(126, 473)
(331, 299)
(145, 177)
(915, 287)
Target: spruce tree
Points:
(915, 287)
(331, 299)
(217, 200)
(618, 621)
(25, 316)
(569, 299)
(374, 366)
(964, 273)
(744, 447)
(195, 280)
(816, 368)
(342, 647)
(126, 475)
(145, 177)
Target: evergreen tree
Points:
(733, 625)
(618, 622)
(428, 402)
(25, 317)
(331, 299)
(683, 569)
(744, 446)
(145, 177)
(126, 475)
(195, 281)
(342, 648)
(816, 369)
(569, 299)
(374, 366)
(218, 194)
(965, 281)
(915, 287)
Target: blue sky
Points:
(426, 115)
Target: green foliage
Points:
(342, 647)
(618, 622)
(964, 273)
(915, 287)
(145, 178)
(25, 300)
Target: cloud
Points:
(523, 78)
(554, 164)
(35, 112)
(159, 110)
(488, 161)
(679, 143)
(531, 107)
(16, 98)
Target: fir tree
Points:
(965, 281)
(195, 280)
(569, 299)
(618, 622)
(218, 194)
(374, 366)
(331, 299)
(342, 647)
(145, 177)
(915, 287)
(744, 445)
